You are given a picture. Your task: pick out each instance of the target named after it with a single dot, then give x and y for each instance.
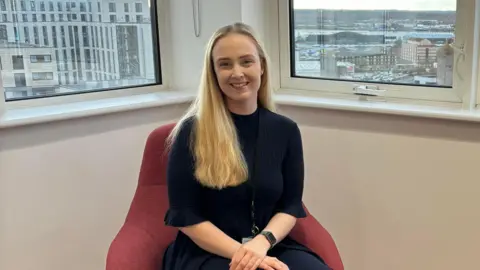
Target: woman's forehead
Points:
(234, 46)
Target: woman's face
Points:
(238, 68)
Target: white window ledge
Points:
(380, 107)
(43, 114)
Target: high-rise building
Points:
(421, 52)
(92, 43)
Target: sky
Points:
(377, 4)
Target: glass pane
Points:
(395, 42)
(56, 57)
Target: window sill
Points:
(44, 114)
(381, 107)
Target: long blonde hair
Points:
(219, 161)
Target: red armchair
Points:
(142, 240)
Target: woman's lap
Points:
(216, 263)
(300, 260)
(294, 259)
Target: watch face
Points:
(270, 237)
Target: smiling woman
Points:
(239, 69)
(235, 210)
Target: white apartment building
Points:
(421, 52)
(27, 70)
(93, 43)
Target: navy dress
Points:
(278, 188)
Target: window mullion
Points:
(475, 98)
(462, 75)
(2, 97)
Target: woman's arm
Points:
(185, 200)
(280, 226)
(212, 239)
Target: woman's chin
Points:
(240, 95)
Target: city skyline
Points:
(409, 5)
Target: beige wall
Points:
(65, 188)
(396, 193)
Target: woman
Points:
(235, 169)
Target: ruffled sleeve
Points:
(293, 177)
(183, 189)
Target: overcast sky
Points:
(377, 4)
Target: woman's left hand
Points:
(251, 254)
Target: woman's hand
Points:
(272, 263)
(250, 255)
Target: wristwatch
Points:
(270, 238)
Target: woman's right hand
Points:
(246, 259)
(272, 263)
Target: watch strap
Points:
(270, 238)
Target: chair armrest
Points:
(310, 233)
(134, 249)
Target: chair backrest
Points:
(154, 161)
(150, 201)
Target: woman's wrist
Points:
(263, 241)
(234, 249)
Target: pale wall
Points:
(396, 193)
(65, 187)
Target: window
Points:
(17, 61)
(73, 58)
(406, 48)
(42, 76)
(138, 7)
(40, 58)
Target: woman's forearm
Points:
(280, 225)
(212, 239)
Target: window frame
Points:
(161, 48)
(458, 95)
(475, 97)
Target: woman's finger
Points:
(282, 264)
(255, 264)
(250, 263)
(237, 258)
(265, 266)
(244, 261)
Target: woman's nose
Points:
(237, 71)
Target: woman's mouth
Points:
(239, 85)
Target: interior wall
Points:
(395, 192)
(65, 187)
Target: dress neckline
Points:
(245, 116)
